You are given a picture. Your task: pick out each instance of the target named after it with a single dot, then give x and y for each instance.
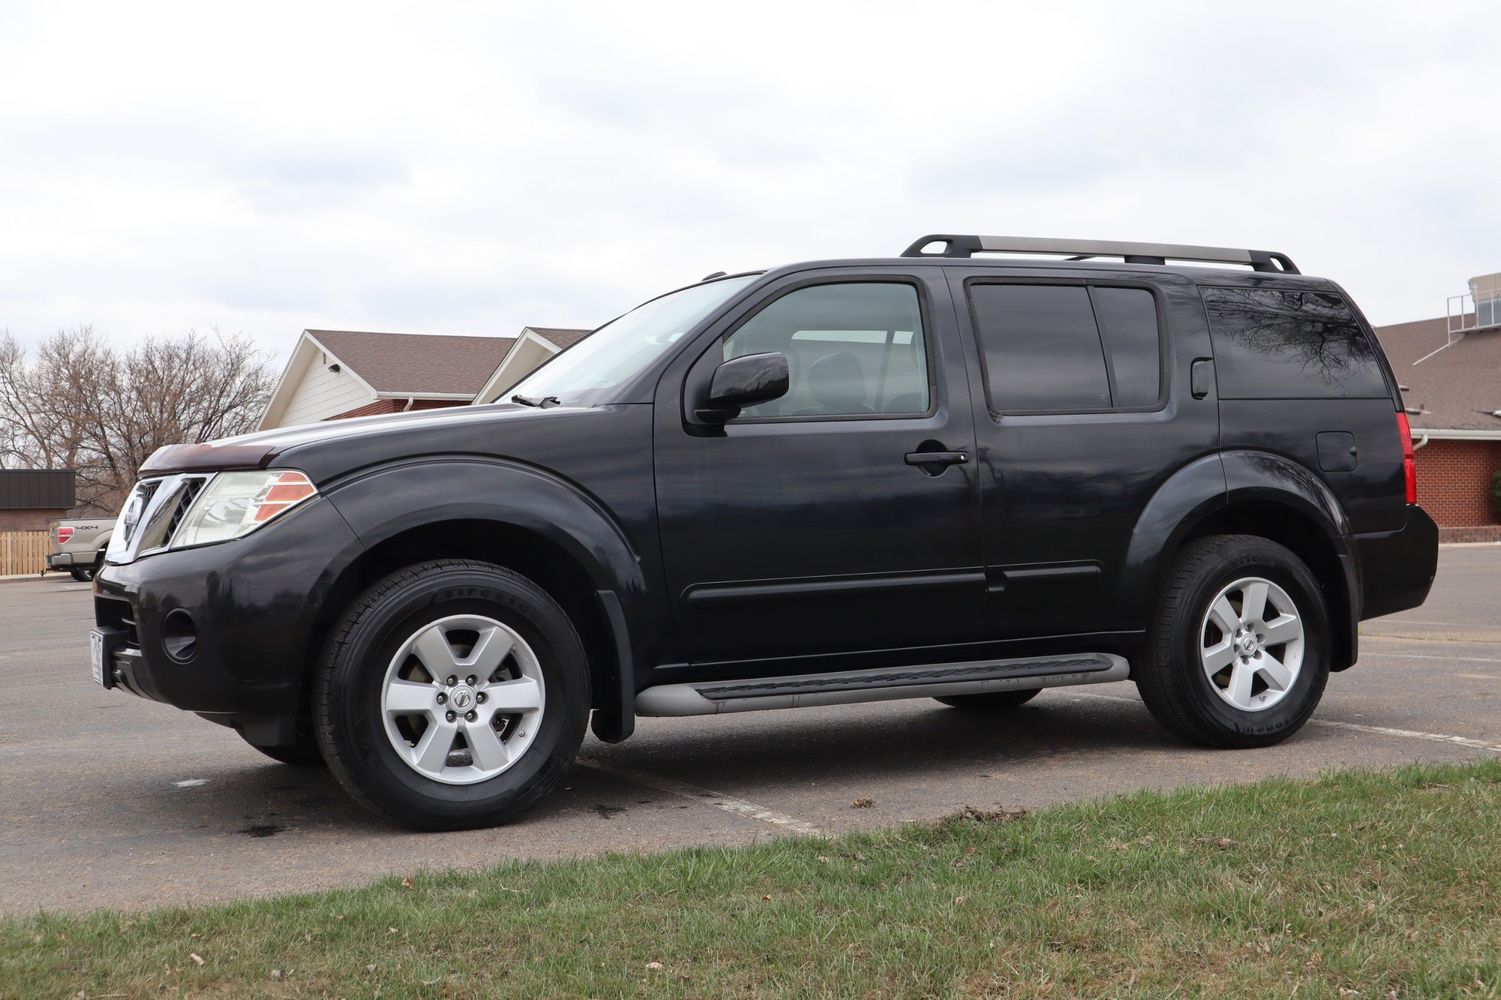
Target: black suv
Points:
(945, 474)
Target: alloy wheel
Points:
(462, 699)
(1251, 644)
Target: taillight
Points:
(63, 534)
(1409, 466)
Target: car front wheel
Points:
(453, 694)
(1239, 653)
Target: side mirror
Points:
(745, 381)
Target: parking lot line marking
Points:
(1477, 677)
(1424, 656)
(1411, 734)
(709, 797)
(1412, 621)
(1104, 697)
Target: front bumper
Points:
(1397, 567)
(248, 606)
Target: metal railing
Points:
(1470, 312)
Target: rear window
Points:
(1278, 344)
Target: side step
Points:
(850, 686)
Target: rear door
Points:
(802, 532)
(1085, 409)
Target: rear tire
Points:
(83, 574)
(433, 755)
(989, 701)
(1239, 652)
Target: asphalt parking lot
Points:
(112, 801)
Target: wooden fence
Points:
(23, 552)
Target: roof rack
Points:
(1131, 253)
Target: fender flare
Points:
(1184, 499)
(386, 501)
(1217, 482)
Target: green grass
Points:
(1359, 884)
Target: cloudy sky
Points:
(473, 168)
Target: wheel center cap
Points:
(461, 698)
(1249, 646)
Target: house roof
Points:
(1446, 385)
(562, 337)
(417, 363)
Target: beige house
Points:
(334, 374)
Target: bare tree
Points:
(80, 404)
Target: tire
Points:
(1245, 703)
(990, 701)
(303, 753)
(389, 654)
(83, 574)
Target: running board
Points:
(849, 686)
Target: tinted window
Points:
(1042, 349)
(1289, 345)
(1128, 324)
(851, 349)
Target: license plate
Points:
(97, 648)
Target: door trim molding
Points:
(703, 593)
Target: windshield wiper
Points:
(541, 404)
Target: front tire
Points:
(1239, 653)
(453, 694)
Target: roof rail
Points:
(1131, 253)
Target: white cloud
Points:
(474, 168)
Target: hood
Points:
(457, 428)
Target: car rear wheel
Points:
(83, 574)
(453, 694)
(1239, 653)
(990, 701)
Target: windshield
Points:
(622, 348)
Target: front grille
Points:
(170, 509)
(190, 490)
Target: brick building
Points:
(334, 374)
(1449, 371)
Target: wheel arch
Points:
(1260, 494)
(513, 516)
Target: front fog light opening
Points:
(179, 636)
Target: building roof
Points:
(1447, 383)
(562, 337)
(36, 489)
(417, 363)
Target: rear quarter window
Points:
(1283, 344)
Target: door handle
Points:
(937, 457)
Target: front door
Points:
(810, 526)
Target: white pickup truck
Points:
(78, 546)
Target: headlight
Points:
(236, 503)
